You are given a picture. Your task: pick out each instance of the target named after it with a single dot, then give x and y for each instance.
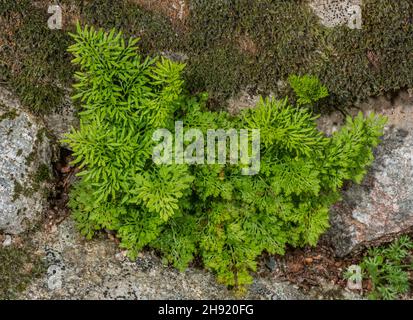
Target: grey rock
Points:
(7, 241)
(381, 207)
(175, 56)
(25, 148)
(329, 291)
(271, 263)
(62, 120)
(334, 13)
(98, 269)
(243, 100)
(274, 289)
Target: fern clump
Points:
(211, 211)
(308, 89)
(388, 268)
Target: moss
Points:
(230, 45)
(26, 191)
(155, 30)
(289, 40)
(34, 62)
(11, 115)
(39, 140)
(18, 190)
(42, 174)
(18, 267)
(42, 134)
(33, 58)
(30, 158)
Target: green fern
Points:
(388, 269)
(308, 89)
(207, 211)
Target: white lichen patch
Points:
(334, 13)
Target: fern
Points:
(209, 211)
(388, 269)
(308, 89)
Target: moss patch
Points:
(18, 190)
(231, 45)
(287, 39)
(18, 267)
(12, 114)
(33, 58)
(42, 174)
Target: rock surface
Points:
(62, 120)
(24, 162)
(382, 205)
(334, 13)
(98, 269)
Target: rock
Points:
(98, 270)
(60, 121)
(274, 289)
(176, 10)
(24, 165)
(249, 97)
(328, 291)
(55, 276)
(243, 100)
(175, 56)
(7, 241)
(271, 263)
(381, 207)
(334, 13)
